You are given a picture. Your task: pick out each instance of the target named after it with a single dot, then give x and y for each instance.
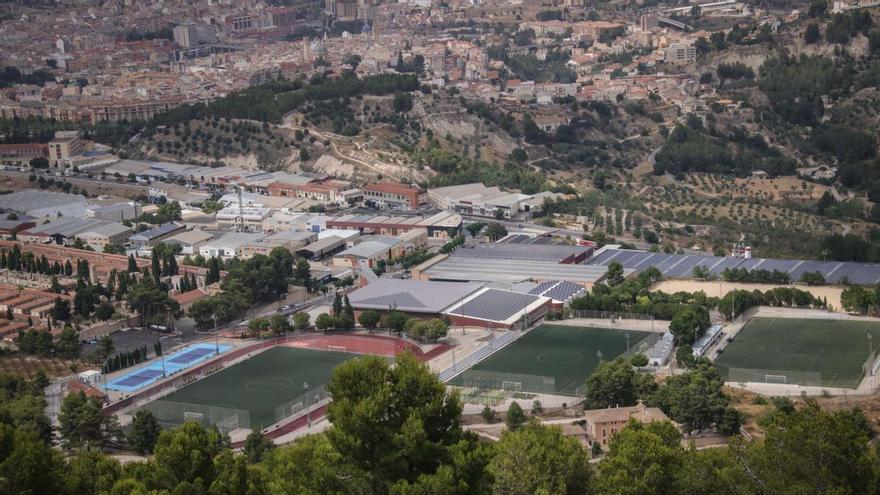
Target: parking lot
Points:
(127, 340)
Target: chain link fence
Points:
(301, 404)
(172, 413)
(787, 377)
(608, 315)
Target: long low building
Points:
(460, 268)
(95, 233)
(461, 303)
(526, 252)
(443, 225)
(682, 265)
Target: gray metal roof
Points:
(106, 228)
(532, 252)
(367, 249)
(323, 244)
(70, 226)
(159, 231)
(492, 270)
(412, 296)
(495, 305)
(24, 201)
(682, 265)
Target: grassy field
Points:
(567, 354)
(836, 349)
(262, 383)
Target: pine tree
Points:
(347, 309)
(156, 268)
(132, 264)
(68, 268)
(337, 305)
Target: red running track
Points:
(377, 345)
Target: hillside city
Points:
(267, 247)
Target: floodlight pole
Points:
(308, 412)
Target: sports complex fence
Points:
(787, 377)
(172, 413)
(646, 343)
(491, 387)
(302, 403)
(608, 315)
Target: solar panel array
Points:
(543, 287)
(527, 239)
(495, 305)
(682, 265)
(557, 290)
(529, 252)
(563, 291)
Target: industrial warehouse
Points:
(462, 303)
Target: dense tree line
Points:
(396, 430)
(270, 101)
(795, 86)
(124, 360)
(255, 280)
(758, 276)
(861, 300)
(850, 247)
(11, 75)
(691, 149)
(736, 301)
(453, 170)
(631, 294)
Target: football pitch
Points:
(259, 385)
(828, 353)
(551, 359)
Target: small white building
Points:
(90, 377)
(228, 245)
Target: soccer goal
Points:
(337, 348)
(775, 379)
(511, 386)
(193, 416)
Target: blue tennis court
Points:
(158, 369)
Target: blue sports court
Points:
(173, 363)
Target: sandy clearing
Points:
(720, 288)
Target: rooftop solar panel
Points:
(627, 258)
(726, 263)
(857, 273)
(685, 268)
(563, 291)
(495, 305)
(543, 287)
